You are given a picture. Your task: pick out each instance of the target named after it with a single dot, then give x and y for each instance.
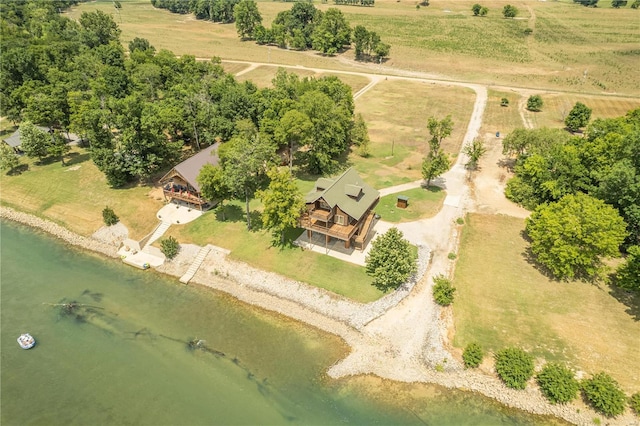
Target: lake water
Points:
(121, 356)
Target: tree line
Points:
(303, 27)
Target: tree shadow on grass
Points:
(628, 298)
(230, 213)
(76, 158)
(18, 170)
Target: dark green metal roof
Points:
(348, 191)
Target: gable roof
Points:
(348, 191)
(15, 141)
(190, 168)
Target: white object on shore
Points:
(26, 341)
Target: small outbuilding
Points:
(403, 202)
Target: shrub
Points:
(504, 102)
(109, 216)
(391, 261)
(534, 103)
(514, 366)
(604, 394)
(170, 247)
(472, 355)
(460, 221)
(557, 383)
(443, 290)
(452, 256)
(634, 402)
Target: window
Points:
(324, 205)
(340, 219)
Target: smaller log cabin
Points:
(180, 182)
(341, 208)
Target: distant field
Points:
(557, 106)
(396, 113)
(502, 300)
(443, 38)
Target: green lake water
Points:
(123, 358)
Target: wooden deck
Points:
(341, 232)
(186, 197)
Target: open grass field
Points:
(423, 203)
(557, 106)
(498, 118)
(396, 113)
(443, 38)
(74, 196)
(255, 249)
(503, 300)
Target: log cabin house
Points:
(341, 208)
(180, 182)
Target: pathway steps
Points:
(197, 261)
(157, 233)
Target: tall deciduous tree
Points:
(474, 150)
(98, 28)
(213, 185)
(436, 161)
(294, 131)
(628, 275)
(332, 33)
(9, 160)
(247, 17)
(282, 202)
(439, 129)
(578, 117)
(245, 162)
(391, 261)
(360, 136)
(434, 165)
(571, 236)
(34, 142)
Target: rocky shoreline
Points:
(338, 316)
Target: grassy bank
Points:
(503, 300)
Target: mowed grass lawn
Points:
(423, 203)
(503, 300)
(254, 247)
(396, 113)
(557, 106)
(74, 196)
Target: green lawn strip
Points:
(423, 203)
(75, 194)
(254, 247)
(503, 300)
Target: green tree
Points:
(514, 366)
(443, 291)
(484, 11)
(391, 260)
(332, 32)
(245, 161)
(558, 383)
(604, 394)
(34, 142)
(109, 216)
(476, 8)
(434, 165)
(169, 247)
(58, 147)
(509, 11)
(578, 117)
(628, 274)
(282, 202)
(618, 3)
(570, 236)
(534, 103)
(360, 136)
(9, 160)
(504, 102)
(635, 5)
(213, 185)
(247, 17)
(294, 130)
(141, 45)
(474, 150)
(634, 402)
(439, 129)
(472, 355)
(98, 28)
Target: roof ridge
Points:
(337, 179)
